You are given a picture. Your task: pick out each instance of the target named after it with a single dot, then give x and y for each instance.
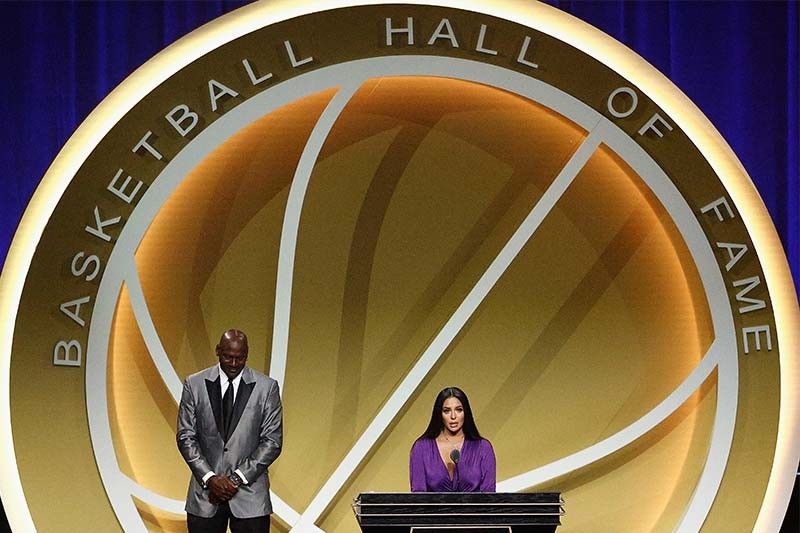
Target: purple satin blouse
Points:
(476, 471)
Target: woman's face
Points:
(453, 415)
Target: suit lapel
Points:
(215, 398)
(242, 396)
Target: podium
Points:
(458, 512)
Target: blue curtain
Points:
(59, 60)
(739, 62)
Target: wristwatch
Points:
(235, 478)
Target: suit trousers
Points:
(219, 522)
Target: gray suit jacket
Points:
(253, 443)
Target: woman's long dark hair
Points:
(436, 425)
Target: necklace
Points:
(454, 443)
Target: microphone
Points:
(455, 455)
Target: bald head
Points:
(232, 336)
(232, 352)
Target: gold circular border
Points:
(541, 17)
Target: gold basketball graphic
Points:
(407, 206)
(395, 209)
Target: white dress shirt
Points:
(224, 382)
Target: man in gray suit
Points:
(229, 432)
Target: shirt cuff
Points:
(244, 479)
(208, 476)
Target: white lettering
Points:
(610, 102)
(186, 114)
(714, 206)
(408, 30)
(440, 34)
(651, 125)
(100, 225)
(147, 146)
(481, 37)
(755, 330)
(120, 192)
(73, 309)
(61, 353)
(81, 270)
(523, 52)
(252, 75)
(217, 90)
(741, 296)
(733, 257)
(293, 58)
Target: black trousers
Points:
(219, 522)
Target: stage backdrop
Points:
(738, 61)
(591, 348)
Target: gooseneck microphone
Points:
(455, 456)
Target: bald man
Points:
(229, 432)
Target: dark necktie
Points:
(227, 409)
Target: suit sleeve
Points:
(186, 436)
(270, 439)
(416, 469)
(488, 468)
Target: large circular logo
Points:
(390, 199)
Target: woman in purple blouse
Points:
(451, 456)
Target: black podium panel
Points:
(458, 512)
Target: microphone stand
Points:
(455, 456)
